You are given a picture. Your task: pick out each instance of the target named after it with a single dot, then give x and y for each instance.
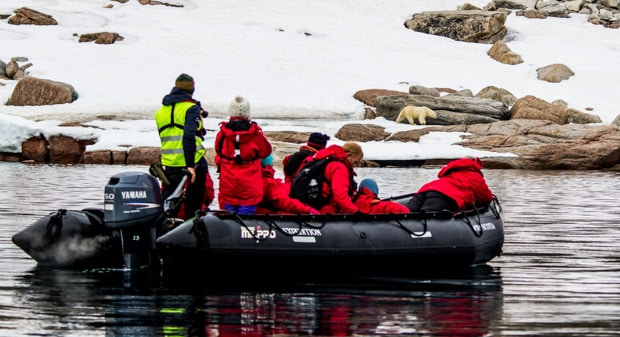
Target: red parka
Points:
(462, 180)
(238, 153)
(339, 173)
(367, 202)
(276, 197)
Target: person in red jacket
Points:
(275, 195)
(367, 200)
(340, 185)
(291, 164)
(460, 186)
(239, 146)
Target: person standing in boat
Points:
(275, 195)
(239, 146)
(460, 186)
(292, 163)
(367, 200)
(181, 131)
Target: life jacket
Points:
(170, 120)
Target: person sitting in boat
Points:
(460, 186)
(239, 146)
(367, 199)
(275, 195)
(292, 163)
(340, 184)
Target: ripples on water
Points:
(558, 275)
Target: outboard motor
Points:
(132, 206)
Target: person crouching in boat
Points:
(460, 186)
(275, 194)
(340, 185)
(292, 163)
(367, 200)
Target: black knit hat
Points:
(185, 82)
(318, 140)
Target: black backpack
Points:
(306, 186)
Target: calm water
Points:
(559, 274)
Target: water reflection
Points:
(468, 303)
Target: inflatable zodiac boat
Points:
(132, 231)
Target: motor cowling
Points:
(132, 207)
(132, 199)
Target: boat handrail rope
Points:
(495, 208)
(477, 233)
(302, 222)
(200, 233)
(55, 223)
(424, 225)
(240, 221)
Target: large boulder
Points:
(461, 25)
(450, 109)
(31, 91)
(530, 107)
(29, 16)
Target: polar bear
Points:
(411, 112)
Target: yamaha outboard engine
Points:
(133, 204)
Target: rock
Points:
(28, 16)
(530, 107)
(11, 68)
(487, 110)
(36, 91)
(500, 52)
(119, 157)
(143, 155)
(67, 150)
(287, 136)
(616, 121)
(368, 96)
(101, 38)
(35, 149)
(369, 113)
(361, 133)
(554, 73)
(498, 94)
(422, 90)
(466, 25)
(101, 157)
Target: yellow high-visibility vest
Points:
(170, 120)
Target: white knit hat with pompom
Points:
(239, 107)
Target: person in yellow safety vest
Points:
(181, 131)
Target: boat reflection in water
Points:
(129, 303)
